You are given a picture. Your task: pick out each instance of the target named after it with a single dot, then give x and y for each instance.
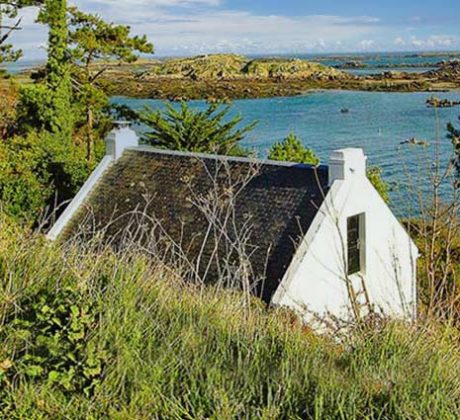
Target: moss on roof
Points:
(149, 194)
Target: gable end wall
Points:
(316, 283)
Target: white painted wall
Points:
(316, 281)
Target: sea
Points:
(383, 124)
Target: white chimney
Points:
(120, 138)
(345, 164)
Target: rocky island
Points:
(224, 77)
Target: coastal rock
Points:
(434, 102)
(354, 64)
(448, 71)
(233, 76)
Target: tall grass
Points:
(146, 345)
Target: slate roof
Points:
(149, 190)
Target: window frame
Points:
(360, 267)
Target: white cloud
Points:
(152, 3)
(32, 37)
(228, 30)
(435, 41)
(197, 26)
(366, 44)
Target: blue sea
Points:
(377, 122)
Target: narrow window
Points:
(355, 243)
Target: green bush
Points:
(38, 171)
(374, 174)
(52, 337)
(291, 149)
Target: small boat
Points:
(344, 110)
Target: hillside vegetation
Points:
(85, 333)
(230, 76)
(221, 66)
(221, 77)
(206, 66)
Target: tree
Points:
(47, 105)
(291, 149)
(38, 171)
(208, 131)
(8, 110)
(58, 83)
(92, 39)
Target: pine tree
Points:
(58, 83)
(94, 39)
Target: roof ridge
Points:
(151, 149)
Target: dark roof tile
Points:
(278, 201)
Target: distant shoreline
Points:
(226, 77)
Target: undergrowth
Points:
(85, 333)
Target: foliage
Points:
(438, 265)
(374, 174)
(291, 149)
(8, 109)
(94, 40)
(48, 106)
(52, 336)
(185, 129)
(43, 161)
(173, 350)
(37, 171)
(454, 136)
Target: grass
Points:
(85, 333)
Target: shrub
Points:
(38, 171)
(8, 108)
(374, 174)
(291, 149)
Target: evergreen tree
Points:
(291, 149)
(94, 39)
(58, 84)
(208, 131)
(47, 105)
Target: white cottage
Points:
(319, 240)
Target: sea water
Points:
(380, 123)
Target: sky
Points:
(186, 27)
